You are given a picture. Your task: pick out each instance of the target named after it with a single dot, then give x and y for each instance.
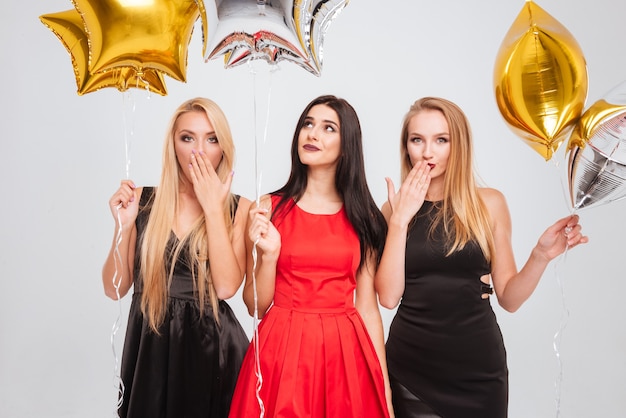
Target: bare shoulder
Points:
(492, 198)
(386, 210)
(244, 204)
(496, 205)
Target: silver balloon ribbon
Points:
(258, 178)
(558, 336)
(257, 362)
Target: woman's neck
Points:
(321, 195)
(435, 191)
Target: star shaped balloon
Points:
(68, 27)
(276, 30)
(142, 34)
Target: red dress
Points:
(316, 357)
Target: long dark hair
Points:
(361, 210)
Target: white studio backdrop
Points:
(63, 155)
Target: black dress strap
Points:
(234, 205)
(147, 195)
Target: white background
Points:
(63, 155)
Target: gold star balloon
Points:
(291, 30)
(142, 34)
(68, 27)
(540, 79)
(597, 152)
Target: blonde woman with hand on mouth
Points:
(448, 243)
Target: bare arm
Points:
(227, 256)
(514, 287)
(117, 271)
(399, 210)
(225, 253)
(261, 230)
(389, 279)
(367, 305)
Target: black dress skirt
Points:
(444, 343)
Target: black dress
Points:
(444, 343)
(190, 369)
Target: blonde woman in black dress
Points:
(182, 247)
(448, 243)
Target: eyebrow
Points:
(437, 134)
(188, 131)
(309, 118)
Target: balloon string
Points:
(257, 362)
(558, 336)
(258, 178)
(118, 383)
(129, 131)
(255, 322)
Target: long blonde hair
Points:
(463, 213)
(154, 259)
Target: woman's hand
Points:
(409, 199)
(117, 272)
(263, 233)
(124, 204)
(258, 291)
(210, 191)
(565, 233)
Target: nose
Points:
(312, 133)
(428, 150)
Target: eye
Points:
(186, 138)
(330, 128)
(442, 140)
(415, 139)
(212, 140)
(307, 124)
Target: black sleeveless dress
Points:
(191, 368)
(444, 343)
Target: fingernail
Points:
(193, 151)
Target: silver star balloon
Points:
(597, 152)
(272, 30)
